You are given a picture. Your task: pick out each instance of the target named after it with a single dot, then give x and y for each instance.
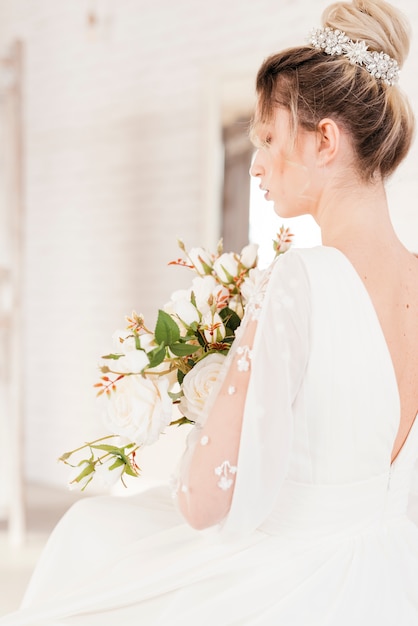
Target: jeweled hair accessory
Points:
(336, 43)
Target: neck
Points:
(355, 216)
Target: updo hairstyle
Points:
(313, 85)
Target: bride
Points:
(294, 490)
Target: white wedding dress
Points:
(317, 533)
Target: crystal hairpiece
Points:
(336, 43)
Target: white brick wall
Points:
(121, 132)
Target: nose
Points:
(256, 168)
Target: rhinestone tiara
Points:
(336, 43)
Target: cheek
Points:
(293, 190)
(278, 167)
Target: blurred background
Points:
(123, 126)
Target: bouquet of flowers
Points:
(175, 364)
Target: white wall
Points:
(121, 134)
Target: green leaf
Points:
(175, 396)
(106, 448)
(118, 463)
(180, 376)
(181, 421)
(130, 471)
(230, 318)
(189, 337)
(64, 457)
(89, 469)
(166, 329)
(183, 349)
(156, 356)
(114, 357)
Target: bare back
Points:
(392, 283)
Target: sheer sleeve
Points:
(234, 465)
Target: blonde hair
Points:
(313, 85)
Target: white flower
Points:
(108, 477)
(179, 305)
(176, 296)
(248, 256)
(139, 408)
(198, 384)
(251, 283)
(226, 266)
(186, 311)
(132, 363)
(147, 341)
(208, 291)
(203, 288)
(213, 327)
(200, 257)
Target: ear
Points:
(328, 140)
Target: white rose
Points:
(198, 384)
(200, 257)
(203, 287)
(186, 311)
(180, 294)
(213, 327)
(106, 476)
(226, 266)
(251, 283)
(139, 408)
(178, 298)
(249, 255)
(132, 363)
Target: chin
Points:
(283, 212)
(286, 212)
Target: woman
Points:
(303, 464)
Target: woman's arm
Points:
(233, 469)
(205, 497)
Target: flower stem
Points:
(88, 444)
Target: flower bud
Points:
(213, 327)
(202, 287)
(248, 256)
(109, 471)
(226, 267)
(185, 310)
(201, 260)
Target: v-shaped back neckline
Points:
(372, 309)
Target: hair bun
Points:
(383, 27)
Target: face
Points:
(285, 171)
